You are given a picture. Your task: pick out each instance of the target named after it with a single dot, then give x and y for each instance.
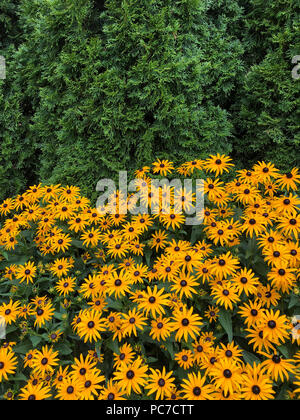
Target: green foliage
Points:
(94, 87)
(90, 93)
(267, 111)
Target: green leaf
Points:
(148, 254)
(294, 301)
(285, 351)
(19, 377)
(63, 349)
(23, 348)
(35, 340)
(152, 360)
(58, 315)
(250, 358)
(170, 348)
(113, 346)
(282, 393)
(226, 322)
(114, 304)
(78, 244)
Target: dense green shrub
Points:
(94, 87)
(267, 111)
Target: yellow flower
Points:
(186, 324)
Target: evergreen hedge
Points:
(94, 87)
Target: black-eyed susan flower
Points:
(61, 242)
(282, 277)
(293, 250)
(225, 265)
(297, 383)
(172, 219)
(82, 366)
(78, 223)
(184, 284)
(168, 268)
(45, 360)
(277, 255)
(54, 336)
(132, 377)
(130, 231)
(125, 355)
(118, 248)
(136, 247)
(69, 389)
(160, 328)
(195, 388)
(90, 326)
(29, 358)
(256, 385)
(153, 301)
(9, 395)
(7, 206)
(9, 312)
(287, 205)
(204, 271)
(213, 187)
(112, 391)
(138, 273)
(61, 375)
(185, 359)
(230, 351)
(218, 164)
(225, 295)
(254, 225)
(267, 295)
(35, 392)
(289, 180)
(91, 237)
(159, 240)
(248, 194)
(186, 324)
(160, 383)
(91, 385)
(257, 339)
(219, 233)
(133, 321)
(226, 375)
(90, 286)
(277, 366)
(201, 349)
(193, 165)
(118, 284)
(26, 272)
(275, 326)
(245, 281)
(65, 286)
(189, 260)
(163, 167)
(8, 363)
(252, 312)
(265, 171)
(290, 224)
(98, 303)
(42, 314)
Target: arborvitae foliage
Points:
(267, 110)
(102, 87)
(12, 165)
(94, 87)
(33, 95)
(152, 86)
(9, 30)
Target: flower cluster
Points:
(104, 305)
